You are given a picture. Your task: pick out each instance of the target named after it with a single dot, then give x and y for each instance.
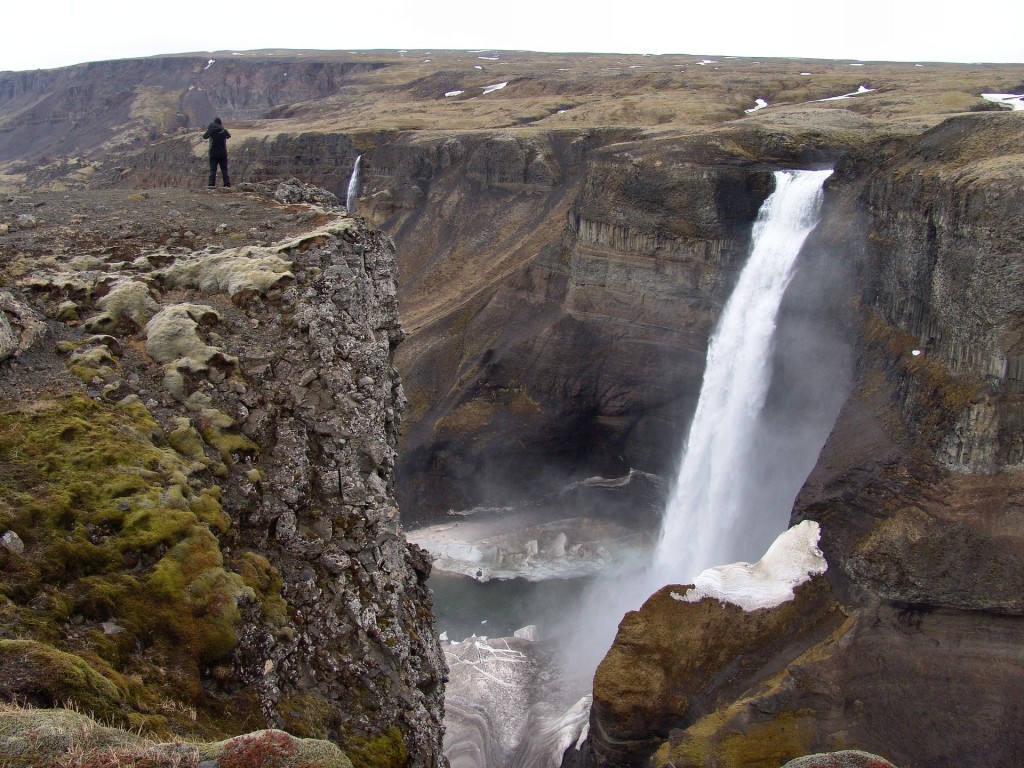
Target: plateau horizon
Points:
(73, 33)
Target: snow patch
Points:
(1013, 100)
(493, 88)
(209, 64)
(758, 104)
(453, 93)
(861, 89)
(489, 58)
(791, 560)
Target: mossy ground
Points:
(122, 600)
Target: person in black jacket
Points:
(218, 136)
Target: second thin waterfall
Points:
(353, 186)
(713, 516)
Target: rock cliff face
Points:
(581, 341)
(220, 427)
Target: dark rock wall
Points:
(945, 268)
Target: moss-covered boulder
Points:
(241, 274)
(172, 338)
(674, 662)
(37, 672)
(47, 738)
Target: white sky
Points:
(53, 33)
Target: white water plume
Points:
(711, 514)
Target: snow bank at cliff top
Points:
(1015, 100)
(792, 559)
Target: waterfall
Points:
(740, 471)
(763, 414)
(353, 186)
(713, 514)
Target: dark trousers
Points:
(223, 163)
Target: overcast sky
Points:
(54, 33)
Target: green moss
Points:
(186, 441)
(264, 580)
(207, 508)
(728, 740)
(386, 750)
(197, 598)
(769, 744)
(307, 716)
(931, 396)
(114, 533)
(36, 672)
(219, 431)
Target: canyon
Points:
(564, 245)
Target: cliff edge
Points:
(198, 532)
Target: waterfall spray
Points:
(353, 186)
(714, 515)
(711, 513)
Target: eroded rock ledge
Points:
(199, 446)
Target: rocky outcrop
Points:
(214, 544)
(673, 663)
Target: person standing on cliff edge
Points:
(218, 136)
